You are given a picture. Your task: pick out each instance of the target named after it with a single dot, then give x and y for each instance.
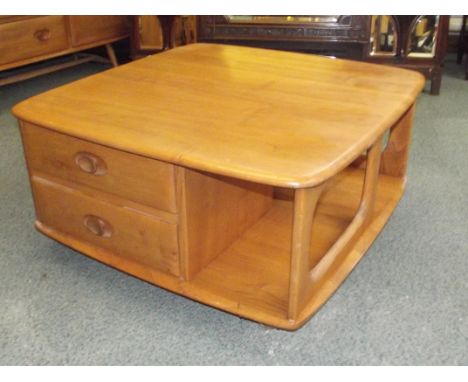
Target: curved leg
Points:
(111, 54)
(305, 202)
(303, 280)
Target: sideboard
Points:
(29, 39)
(409, 41)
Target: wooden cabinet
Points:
(392, 40)
(151, 34)
(337, 35)
(463, 45)
(413, 42)
(32, 37)
(102, 168)
(92, 29)
(256, 189)
(92, 218)
(29, 39)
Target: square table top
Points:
(279, 118)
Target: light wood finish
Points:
(359, 222)
(395, 158)
(90, 29)
(251, 277)
(247, 189)
(304, 209)
(272, 97)
(111, 53)
(88, 217)
(51, 68)
(78, 50)
(31, 37)
(218, 211)
(130, 176)
(304, 280)
(149, 33)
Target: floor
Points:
(406, 302)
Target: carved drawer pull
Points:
(90, 163)
(97, 226)
(42, 34)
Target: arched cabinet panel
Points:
(422, 38)
(383, 36)
(409, 41)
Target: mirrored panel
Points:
(282, 19)
(423, 36)
(383, 38)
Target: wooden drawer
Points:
(130, 176)
(126, 233)
(89, 29)
(32, 37)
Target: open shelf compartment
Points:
(251, 277)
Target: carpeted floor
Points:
(406, 302)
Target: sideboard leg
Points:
(305, 202)
(111, 54)
(436, 83)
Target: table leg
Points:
(303, 280)
(305, 202)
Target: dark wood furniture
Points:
(29, 39)
(463, 45)
(340, 36)
(381, 39)
(419, 43)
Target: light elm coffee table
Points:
(250, 180)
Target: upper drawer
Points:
(130, 176)
(32, 37)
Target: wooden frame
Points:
(76, 59)
(167, 29)
(265, 230)
(305, 288)
(430, 67)
(463, 45)
(74, 35)
(348, 37)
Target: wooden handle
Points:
(42, 34)
(90, 163)
(97, 226)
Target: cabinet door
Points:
(149, 33)
(92, 29)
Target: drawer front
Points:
(125, 233)
(32, 37)
(142, 180)
(91, 29)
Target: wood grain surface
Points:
(277, 118)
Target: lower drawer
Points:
(126, 233)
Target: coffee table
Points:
(250, 180)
